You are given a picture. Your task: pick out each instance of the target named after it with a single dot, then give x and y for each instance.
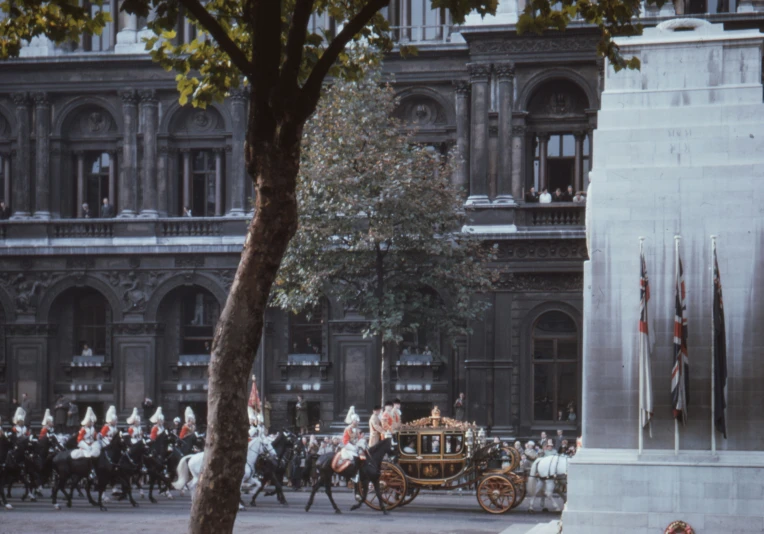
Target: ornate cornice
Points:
(540, 282)
(542, 250)
(539, 44)
(190, 260)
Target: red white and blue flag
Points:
(680, 373)
(645, 349)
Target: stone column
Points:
(81, 182)
(518, 158)
(506, 75)
(218, 182)
(579, 161)
(149, 120)
(163, 181)
(128, 170)
(186, 178)
(42, 156)
(461, 173)
(22, 192)
(543, 146)
(7, 178)
(112, 177)
(235, 188)
(479, 76)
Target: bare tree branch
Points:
(224, 41)
(297, 33)
(311, 91)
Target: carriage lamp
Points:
(469, 437)
(481, 437)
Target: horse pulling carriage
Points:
(445, 454)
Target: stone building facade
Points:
(143, 289)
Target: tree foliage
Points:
(379, 223)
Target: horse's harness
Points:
(552, 470)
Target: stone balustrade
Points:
(561, 214)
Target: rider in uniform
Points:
(47, 424)
(135, 429)
(387, 418)
(254, 429)
(352, 438)
(190, 426)
(87, 439)
(158, 420)
(19, 429)
(397, 415)
(109, 429)
(375, 427)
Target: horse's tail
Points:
(184, 473)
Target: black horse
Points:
(272, 471)
(21, 465)
(5, 449)
(369, 470)
(96, 471)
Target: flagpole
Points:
(677, 238)
(713, 347)
(640, 431)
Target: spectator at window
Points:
(532, 195)
(571, 413)
(568, 194)
(545, 197)
(558, 196)
(85, 210)
(107, 210)
(5, 211)
(187, 211)
(580, 197)
(86, 351)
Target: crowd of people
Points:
(545, 197)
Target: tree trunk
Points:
(238, 332)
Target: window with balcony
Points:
(555, 364)
(91, 315)
(306, 329)
(202, 179)
(418, 21)
(108, 37)
(199, 314)
(95, 180)
(564, 160)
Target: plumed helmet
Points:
(47, 418)
(90, 416)
(176, 420)
(20, 416)
(111, 415)
(351, 416)
(134, 417)
(190, 415)
(252, 414)
(158, 416)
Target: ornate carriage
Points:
(439, 453)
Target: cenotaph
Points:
(679, 150)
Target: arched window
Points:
(306, 329)
(555, 363)
(198, 316)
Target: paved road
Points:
(437, 513)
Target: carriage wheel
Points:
(392, 487)
(410, 496)
(519, 483)
(496, 494)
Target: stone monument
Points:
(679, 150)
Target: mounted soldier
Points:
(135, 429)
(397, 415)
(87, 439)
(109, 428)
(352, 439)
(47, 424)
(158, 420)
(375, 427)
(19, 428)
(254, 429)
(190, 426)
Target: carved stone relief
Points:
(531, 250)
(421, 112)
(513, 46)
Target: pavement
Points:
(430, 512)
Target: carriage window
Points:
(430, 445)
(408, 444)
(454, 443)
(555, 368)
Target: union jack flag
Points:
(680, 374)
(645, 349)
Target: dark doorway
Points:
(560, 173)
(314, 415)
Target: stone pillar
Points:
(80, 182)
(479, 76)
(506, 75)
(112, 177)
(127, 38)
(22, 192)
(218, 182)
(461, 173)
(518, 157)
(149, 121)
(163, 181)
(579, 161)
(42, 156)
(543, 146)
(128, 170)
(7, 179)
(235, 188)
(186, 178)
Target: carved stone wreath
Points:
(421, 111)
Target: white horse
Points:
(545, 474)
(190, 467)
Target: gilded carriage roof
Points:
(435, 421)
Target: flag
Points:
(680, 373)
(720, 355)
(254, 398)
(645, 349)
